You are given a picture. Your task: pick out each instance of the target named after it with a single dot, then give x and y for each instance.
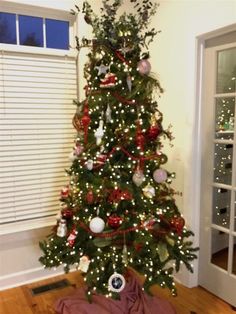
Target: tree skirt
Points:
(132, 301)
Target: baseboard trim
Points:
(28, 276)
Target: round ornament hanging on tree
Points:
(144, 67)
(138, 177)
(149, 191)
(116, 282)
(66, 213)
(97, 225)
(114, 221)
(153, 132)
(160, 175)
(65, 192)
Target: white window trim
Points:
(36, 11)
(13, 7)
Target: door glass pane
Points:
(224, 118)
(221, 207)
(234, 257)
(7, 28)
(57, 34)
(219, 248)
(31, 31)
(226, 71)
(223, 158)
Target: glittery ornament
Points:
(144, 67)
(78, 150)
(97, 225)
(149, 191)
(114, 221)
(160, 175)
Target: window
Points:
(37, 89)
(30, 31)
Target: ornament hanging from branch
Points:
(62, 228)
(99, 133)
(139, 137)
(108, 114)
(85, 121)
(129, 82)
(116, 282)
(97, 225)
(72, 237)
(102, 69)
(109, 80)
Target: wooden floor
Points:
(21, 300)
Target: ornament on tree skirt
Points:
(72, 237)
(108, 114)
(114, 221)
(99, 133)
(102, 69)
(129, 82)
(160, 175)
(149, 191)
(84, 264)
(89, 164)
(116, 282)
(97, 225)
(108, 81)
(65, 192)
(138, 177)
(62, 228)
(144, 67)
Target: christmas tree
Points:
(119, 210)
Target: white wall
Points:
(173, 58)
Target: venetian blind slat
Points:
(36, 133)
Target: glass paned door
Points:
(218, 216)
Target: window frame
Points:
(38, 11)
(44, 12)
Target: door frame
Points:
(214, 39)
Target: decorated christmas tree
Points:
(119, 209)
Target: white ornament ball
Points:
(97, 225)
(138, 177)
(160, 175)
(144, 67)
(89, 164)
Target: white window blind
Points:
(36, 134)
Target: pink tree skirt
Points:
(132, 301)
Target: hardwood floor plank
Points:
(20, 300)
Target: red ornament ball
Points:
(90, 197)
(177, 223)
(153, 132)
(67, 213)
(114, 221)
